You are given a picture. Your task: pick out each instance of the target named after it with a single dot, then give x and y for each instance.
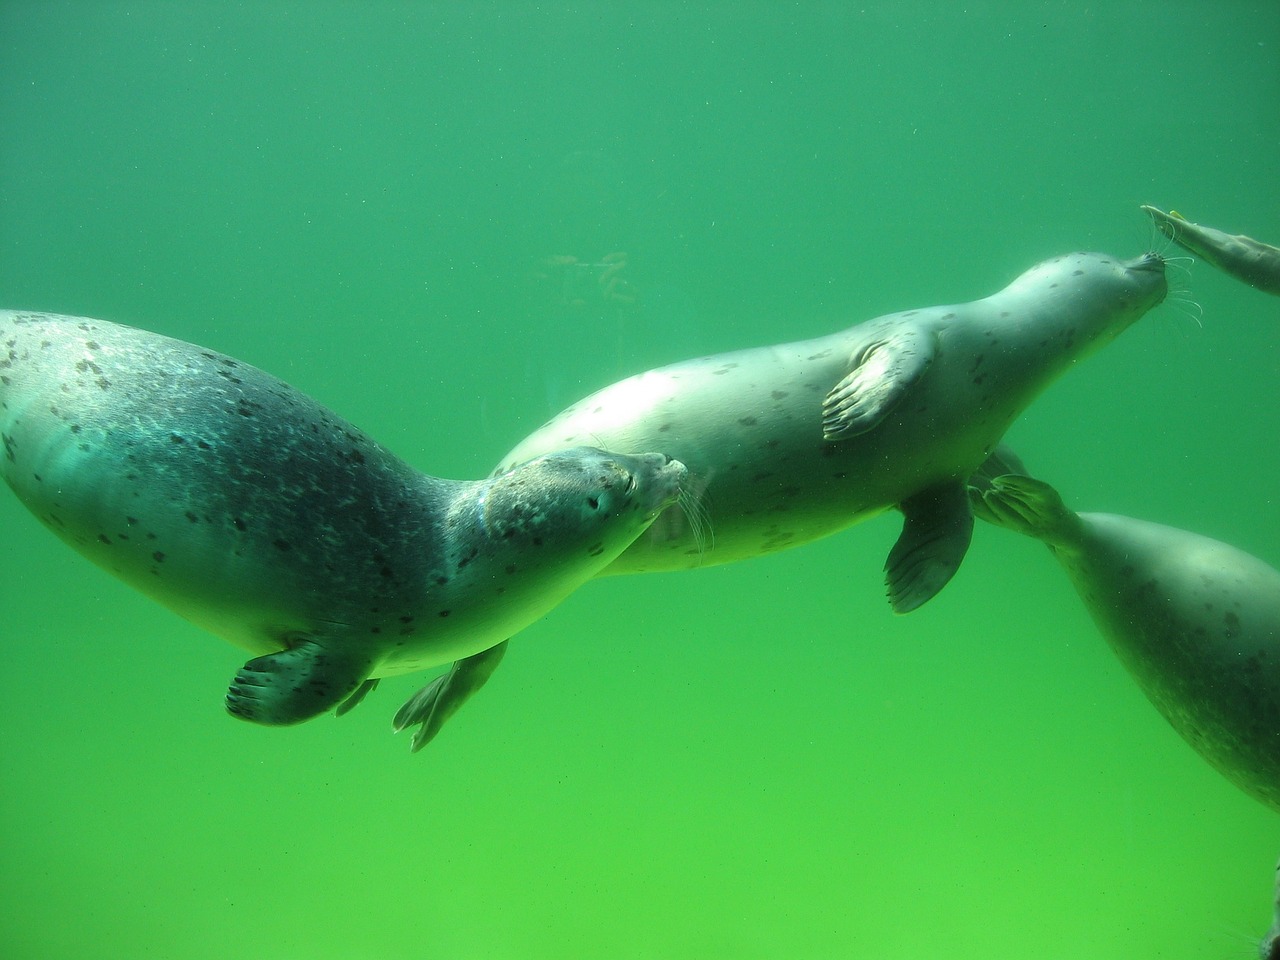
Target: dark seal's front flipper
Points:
(881, 374)
(936, 531)
(296, 684)
(439, 700)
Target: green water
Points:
(754, 761)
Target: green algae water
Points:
(447, 222)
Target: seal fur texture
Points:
(792, 442)
(254, 512)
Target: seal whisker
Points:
(699, 517)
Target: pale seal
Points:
(792, 442)
(251, 510)
(1252, 261)
(789, 443)
(1195, 622)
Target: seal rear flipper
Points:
(296, 684)
(353, 701)
(936, 530)
(882, 373)
(439, 700)
(1027, 506)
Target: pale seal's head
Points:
(1094, 296)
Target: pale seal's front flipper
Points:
(299, 683)
(883, 371)
(1254, 262)
(936, 530)
(439, 700)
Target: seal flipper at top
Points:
(439, 700)
(936, 530)
(882, 373)
(296, 684)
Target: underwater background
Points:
(447, 222)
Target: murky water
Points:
(447, 222)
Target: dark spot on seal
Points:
(158, 556)
(1233, 625)
(444, 613)
(407, 618)
(175, 438)
(748, 421)
(510, 568)
(770, 444)
(239, 524)
(778, 394)
(191, 517)
(595, 549)
(664, 428)
(355, 456)
(593, 503)
(104, 539)
(441, 581)
(282, 544)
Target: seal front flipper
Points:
(439, 700)
(882, 373)
(936, 530)
(298, 683)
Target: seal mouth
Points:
(1150, 262)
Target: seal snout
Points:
(665, 481)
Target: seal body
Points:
(1195, 621)
(251, 510)
(792, 442)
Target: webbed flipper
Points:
(881, 374)
(1027, 506)
(296, 684)
(439, 700)
(936, 530)
(353, 701)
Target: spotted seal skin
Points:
(1196, 622)
(251, 510)
(789, 443)
(1251, 261)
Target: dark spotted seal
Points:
(256, 513)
